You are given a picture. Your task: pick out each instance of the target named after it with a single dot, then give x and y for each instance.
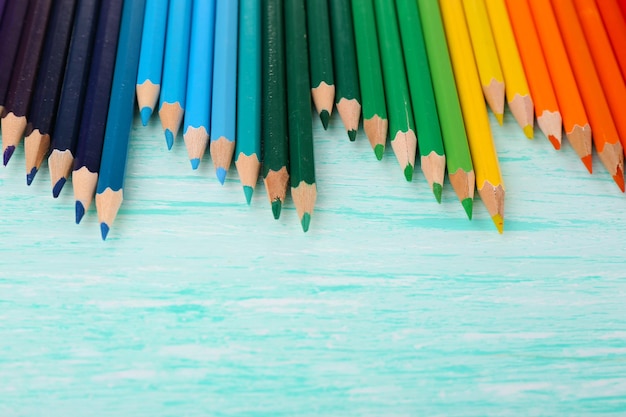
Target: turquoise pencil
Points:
(224, 106)
(199, 87)
(174, 83)
(109, 193)
(151, 57)
(248, 147)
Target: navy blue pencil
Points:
(48, 87)
(67, 124)
(95, 110)
(10, 33)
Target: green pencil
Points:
(402, 127)
(458, 159)
(432, 157)
(274, 124)
(303, 189)
(321, 58)
(347, 95)
(375, 121)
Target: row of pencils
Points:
(238, 78)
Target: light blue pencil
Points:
(174, 83)
(151, 57)
(224, 106)
(248, 147)
(109, 193)
(199, 80)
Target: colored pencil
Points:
(458, 159)
(347, 94)
(10, 33)
(605, 136)
(321, 58)
(248, 146)
(575, 122)
(301, 160)
(110, 192)
(48, 86)
(2, 4)
(151, 57)
(175, 65)
(486, 55)
(275, 168)
(23, 77)
(432, 157)
(516, 87)
(375, 121)
(224, 108)
(401, 124)
(615, 24)
(96, 107)
(197, 124)
(544, 98)
(484, 157)
(622, 6)
(605, 63)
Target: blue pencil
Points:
(248, 147)
(174, 83)
(223, 116)
(109, 193)
(197, 114)
(151, 57)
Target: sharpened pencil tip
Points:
(56, 190)
(276, 206)
(80, 211)
(379, 150)
(437, 190)
(619, 178)
(146, 113)
(352, 135)
(248, 191)
(8, 153)
(587, 160)
(306, 221)
(31, 176)
(325, 117)
(104, 230)
(195, 163)
(500, 118)
(169, 139)
(529, 131)
(408, 172)
(555, 142)
(468, 206)
(221, 174)
(498, 220)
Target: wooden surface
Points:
(391, 305)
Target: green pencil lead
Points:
(247, 190)
(352, 135)
(437, 189)
(325, 117)
(468, 205)
(276, 206)
(408, 172)
(306, 220)
(379, 150)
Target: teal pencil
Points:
(109, 193)
(199, 87)
(174, 83)
(223, 116)
(248, 146)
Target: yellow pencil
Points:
(482, 148)
(486, 55)
(517, 92)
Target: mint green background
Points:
(391, 305)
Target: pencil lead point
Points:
(146, 112)
(169, 139)
(221, 174)
(80, 211)
(619, 178)
(528, 131)
(276, 206)
(104, 230)
(306, 221)
(587, 160)
(437, 190)
(408, 172)
(500, 118)
(498, 220)
(379, 150)
(352, 135)
(8, 153)
(325, 117)
(468, 206)
(555, 142)
(31, 176)
(195, 163)
(56, 189)
(247, 190)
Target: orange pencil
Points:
(605, 136)
(546, 107)
(606, 65)
(615, 24)
(575, 122)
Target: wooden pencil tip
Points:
(588, 161)
(437, 190)
(305, 222)
(619, 178)
(104, 230)
(498, 220)
(529, 131)
(276, 208)
(500, 118)
(30, 176)
(325, 118)
(468, 206)
(8, 153)
(555, 142)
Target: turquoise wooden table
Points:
(391, 305)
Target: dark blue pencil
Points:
(10, 33)
(67, 125)
(95, 110)
(48, 87)
(114, 154)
